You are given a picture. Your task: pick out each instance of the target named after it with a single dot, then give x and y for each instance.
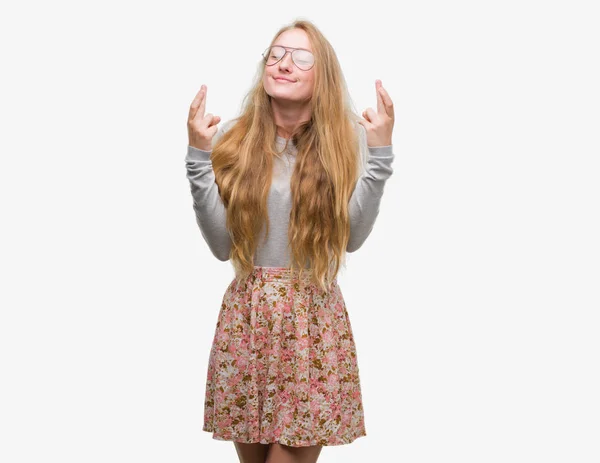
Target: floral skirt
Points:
(283, 366)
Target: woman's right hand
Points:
(201, 128)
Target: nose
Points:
(286, 61)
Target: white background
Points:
(474, 302)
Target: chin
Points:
(283, 95)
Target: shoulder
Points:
(223, 128)
(363, 147)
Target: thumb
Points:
(214, 128)
(365, 123)
(213, 121)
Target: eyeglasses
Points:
(302, 58)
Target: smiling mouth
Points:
(283, 80)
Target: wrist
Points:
(200, 146)
(379, 144)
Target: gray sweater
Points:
(376, 168)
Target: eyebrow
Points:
(293, 48)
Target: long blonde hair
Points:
(328, 163)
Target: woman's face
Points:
(300, 85)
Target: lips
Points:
(283, 79)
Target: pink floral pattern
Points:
(283, 365)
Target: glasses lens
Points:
(274, 54)
(304, 59)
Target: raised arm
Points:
(375, 146)
(366, 197)
(210, 211)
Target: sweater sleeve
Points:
(211, 215)
(363, 206)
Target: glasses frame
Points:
(265, 58)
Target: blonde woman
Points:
(284, 191)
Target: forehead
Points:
(295, 38)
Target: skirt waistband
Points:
(286, 276)
(280, 273)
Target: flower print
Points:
(281, 356)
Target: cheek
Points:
(267, 82)
(310, 82)
(308, 86)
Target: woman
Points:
(283, 192)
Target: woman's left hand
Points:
(379, 125)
